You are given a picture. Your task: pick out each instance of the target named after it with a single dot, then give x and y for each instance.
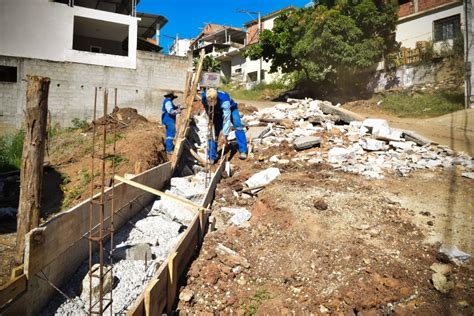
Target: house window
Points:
(8, 74)
(238, 70)
(447, 28)
(97, 36)
(400, 2)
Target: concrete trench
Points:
(144, 243)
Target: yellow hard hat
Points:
(211, 94)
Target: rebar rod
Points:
(91, 209)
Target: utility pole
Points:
(31, 173)
(467, 50)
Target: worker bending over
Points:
(168, 118)
(225, 112)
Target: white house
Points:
(429, 20)
(228, 44)
(180, 47)
(103, 32)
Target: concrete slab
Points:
(306, 142)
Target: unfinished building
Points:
(81, 44)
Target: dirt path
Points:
(455, 130)
(323, 241)
(258, 104)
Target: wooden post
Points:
(31, 174)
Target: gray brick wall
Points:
(72, 87)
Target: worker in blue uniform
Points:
(225, 113)
(168, 118)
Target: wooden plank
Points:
(171, 197)
(172, 281)
(11, 290)
(138, 310)
(187, 245)
(151, 295)
(161, 286)
(16, 307)
(212, 186)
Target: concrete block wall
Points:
(71, 92)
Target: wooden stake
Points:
(31, 175)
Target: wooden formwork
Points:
(163, 287)
(56, 249)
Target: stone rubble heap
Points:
(370, 147)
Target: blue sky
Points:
(187, 17)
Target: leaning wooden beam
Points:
(168, 196)
(183, 127)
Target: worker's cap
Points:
(211, 94)
(170, 95)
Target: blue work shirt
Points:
(169, 110)
(223, 108)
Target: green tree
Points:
(332, 40)
(209, 64)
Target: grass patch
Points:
(429, 104)
(254, 302)
(11, 148)
(261, 91)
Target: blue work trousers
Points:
(170, 124)
(239, 133)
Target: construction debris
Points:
(442, 283)
(306, 142)
(240, 215)
(369, 147)
(262, 179)
(452, 253)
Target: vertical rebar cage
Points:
(101, 222)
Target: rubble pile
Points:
(369, 147)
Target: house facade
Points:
(180, 47)
(438, 21)
(79, 45)
(228, 45)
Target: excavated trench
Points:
(145, 242)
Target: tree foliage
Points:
(209, 64)
(331, 39)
